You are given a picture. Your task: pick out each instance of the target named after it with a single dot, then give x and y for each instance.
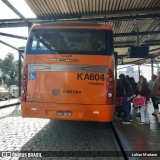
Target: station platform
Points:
(139, 137)
(9, 102)
(32, 134)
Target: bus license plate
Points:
(64, 113)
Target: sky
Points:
(7, 13)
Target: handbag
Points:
(119, 101)
(139, 101)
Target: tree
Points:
(9, 67)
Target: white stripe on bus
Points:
(66, 68)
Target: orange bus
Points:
(68, 72)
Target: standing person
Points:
(127, 93)
(139, 82)
(158, 115)
(156, 92)
(119, 108)
(134, 86)
(150, 85)
(139, 88)
(128, 78)
(144, 109)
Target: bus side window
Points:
(33, 44)
(38, 45)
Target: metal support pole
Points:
(29, 27)
(115, 56)
(9, 89)
(137, 36)
(152, 70)
(19, 70)
(139, 71)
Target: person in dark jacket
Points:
(145, 92)
(119, 109)
(127, 93)
(156, 92)
(134, 86)
(150, 85)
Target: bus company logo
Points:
(71, 91)
(56, 92)
(65, 60)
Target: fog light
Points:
(22, 91)
(109, 94)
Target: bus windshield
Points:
(70, 41)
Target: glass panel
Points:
(71, 41)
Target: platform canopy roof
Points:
(134, 22)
